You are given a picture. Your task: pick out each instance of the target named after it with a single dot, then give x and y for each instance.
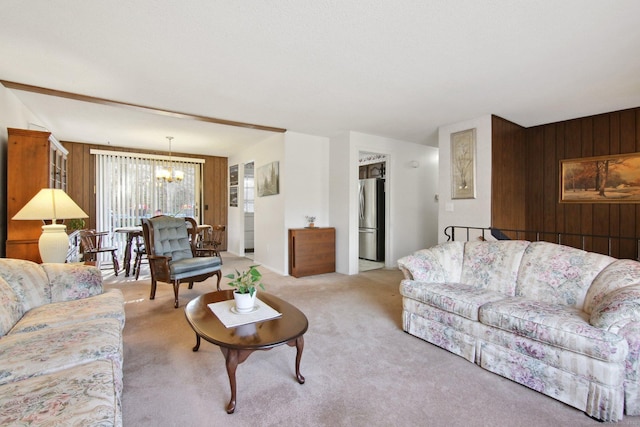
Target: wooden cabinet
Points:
(312, 251)
(35, 161)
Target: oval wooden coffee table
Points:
(237, 343)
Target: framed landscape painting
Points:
(603, 179)
(268, 179)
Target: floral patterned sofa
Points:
(559, 320)
(60, 345)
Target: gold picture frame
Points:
(601, 179)
(463, 164)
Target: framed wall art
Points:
(463, 164)
(268, 179)
(233, 175)
(602, 179)
(233, 197)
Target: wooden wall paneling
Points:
(508, 176)
(586, 142)
(560, 143)
(614, 209)
(573, 211)
(627, 211)
(549, 180)
(601, 211)
(534, 202)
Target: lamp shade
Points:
(53, 204)
(50, 203)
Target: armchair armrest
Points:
(73, 281)
(159, 266)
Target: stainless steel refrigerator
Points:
(371, 223)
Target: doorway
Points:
(249, 198)
(372, 199)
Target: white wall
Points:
(13, 114)
(304, 190)
(465, 212)
(411, 209)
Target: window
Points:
(127, 189)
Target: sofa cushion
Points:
(554, 324)
(81, 396)
(73, 281)
(621, 273)
(107, 305)
(42, 352)
(558, 274)
(458, 298)
(28, 280)
(10, 307)
(493, 265)
(617, 309)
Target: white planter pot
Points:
(245, 302)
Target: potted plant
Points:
(75, 224)
(245, 284)
(310, 220)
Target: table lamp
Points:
(51, 204)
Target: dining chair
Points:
(209, 243)
(92, 243)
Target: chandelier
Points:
(169, 175)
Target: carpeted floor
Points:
(361, 369)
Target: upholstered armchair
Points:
(169, 242)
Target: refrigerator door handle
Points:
(361, 200)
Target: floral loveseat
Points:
(60, 346)
(559, 320)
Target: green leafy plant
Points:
(75, 224)
(246, 282)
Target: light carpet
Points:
(361, 369)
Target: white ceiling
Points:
(398, 69)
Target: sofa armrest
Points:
(73, 281)
(423, 266)
(617, 309)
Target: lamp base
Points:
(54, 243)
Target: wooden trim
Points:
(135, 107)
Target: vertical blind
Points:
(127, 189)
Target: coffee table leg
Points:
(197, 346)
(231, 359)
(299, 343)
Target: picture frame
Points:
(600, 179)
(233, 175)
(268, 179)
(233, 197)
(463, 164)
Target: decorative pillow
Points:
(28, 281)
(493, 265)
(423, 266)
(617, 309)
(10, 308)
(450, 256)
(558, 274)
(73, 281)
(621, 273)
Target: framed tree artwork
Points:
(602, 179)
(463, 164)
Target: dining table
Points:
(132, 233)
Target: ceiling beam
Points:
(158, 111)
